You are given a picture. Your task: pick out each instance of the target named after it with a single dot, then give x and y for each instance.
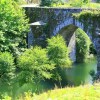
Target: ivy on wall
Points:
(90, 20)
(88, 17)
(86, 14)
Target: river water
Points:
(80, 72)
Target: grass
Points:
(86, 92)
(13, 91)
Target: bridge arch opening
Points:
(70, 33)
(76, 75)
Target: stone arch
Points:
(71, 21)
(68, 32)
(66, 22)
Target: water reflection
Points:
(80, 72)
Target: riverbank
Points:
(87, 92)
(83, 92)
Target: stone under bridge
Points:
(60, 20)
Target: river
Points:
(80, 72)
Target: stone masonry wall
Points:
(57, 19)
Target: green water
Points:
(79, 74)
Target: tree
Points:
(86, 1)
(34, 66)
(59, 55)
(13, 27)
(82, 45)
(7, 67)
(49, 2)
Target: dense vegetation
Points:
(58, 54)
(84, 17)
(63, 3)
(70, 3)
(82, 45)
(20, 66)
(13, 27)
(37, 64)
(49, 2)
(34, 66)
(7, 67)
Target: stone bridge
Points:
(60, 20)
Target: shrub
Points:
(7, 67)
(58, 54)
(12, 27)
(82, 45)
(34, 65)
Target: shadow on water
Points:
(80, 72)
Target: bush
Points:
(34, 66)
(13, 27)
(58, 54)
(82, 45)
(7, 67)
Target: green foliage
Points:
(76, 3)
(7, 67)
(34, 65)
(82, 45)
(87, 14)
(86, 1)
(49, 2)
(6, 97)
(87, 92)
(28, 1)
(86, 17)
(45, 2)
(92, 49)
(21, 1)
(13, 27)
(58, 54)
